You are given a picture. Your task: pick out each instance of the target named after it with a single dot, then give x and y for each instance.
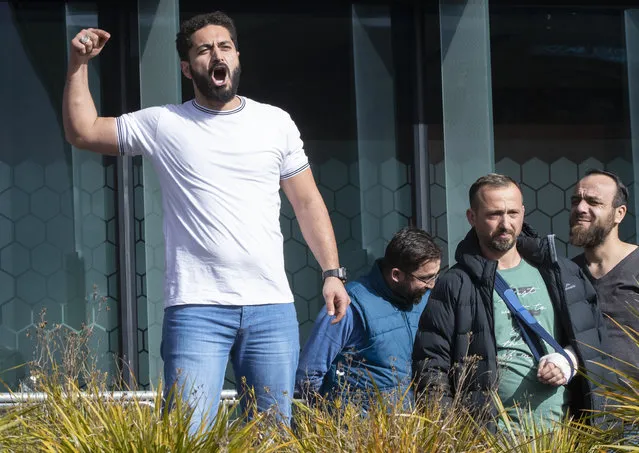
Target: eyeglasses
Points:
(427, 281)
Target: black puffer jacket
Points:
(462, 303)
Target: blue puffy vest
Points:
(384, 362)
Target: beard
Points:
(593, 235)
(221, 94)
(502, 244)
(411, 296)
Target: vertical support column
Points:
(375, 107)
(631, 19)
(159, 84)
(79, 16)
(422, 173)
(467, 106)
(128, 297)
(126, 206)
(87, 170)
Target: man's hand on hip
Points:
(336, 298)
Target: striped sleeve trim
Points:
(118, 122)
(295, 172)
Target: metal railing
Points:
(146, 397)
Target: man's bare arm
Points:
(317, 230)
(83, 127)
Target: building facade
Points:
(401, 105)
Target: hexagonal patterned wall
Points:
(438, 222)
(58, 230)
(58, 254)
(364, 220)
(547, 188)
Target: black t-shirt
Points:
(618, 297)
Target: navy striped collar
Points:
(220, 112)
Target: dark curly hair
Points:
(190, 26)
(409, 249)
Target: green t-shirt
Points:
(518, 383)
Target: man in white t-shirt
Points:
(221, 160)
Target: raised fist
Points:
(88, 44)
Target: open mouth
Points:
(219, 75)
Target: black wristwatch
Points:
(339, 273)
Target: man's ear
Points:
(470, 216)
(394, 275)
(186, 69)
(620, 213)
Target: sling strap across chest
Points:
(531, 331)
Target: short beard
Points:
(502, 245)
(410, 297)
(592, 236)
(210, 91)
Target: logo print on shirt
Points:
(534, 310)
(570, 286)
(524, 291)
(521, 293)
(515, 339)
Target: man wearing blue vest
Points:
(370, 350)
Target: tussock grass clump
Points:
(91, 421)
(340, 425)
(81, 414)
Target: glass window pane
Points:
(332, 68)
(58, 249)
(560, 104)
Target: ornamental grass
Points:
(80, 414)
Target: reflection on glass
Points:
(338, 89)
(57, 206)
(560, 106)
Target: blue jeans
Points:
(262, 340)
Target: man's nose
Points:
(582, 206)
(215, 53)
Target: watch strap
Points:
(338, 273)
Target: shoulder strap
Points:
(531, 331)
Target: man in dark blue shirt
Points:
(370, 350)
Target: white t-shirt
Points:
(220, 175)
